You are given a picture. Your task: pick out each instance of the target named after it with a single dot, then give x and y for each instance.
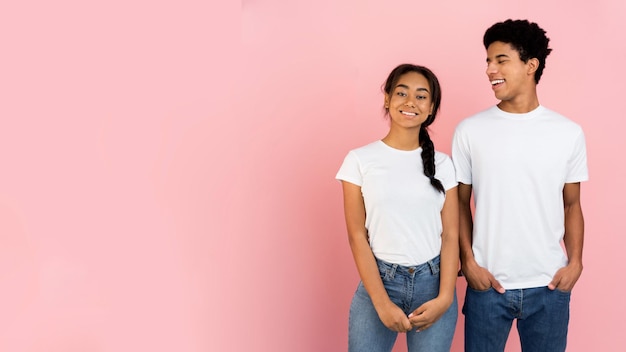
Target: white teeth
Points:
(497, 81)
(409, 113)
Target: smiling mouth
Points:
(408, 113)
(497, 81)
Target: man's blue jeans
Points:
(542, 318)
(408, 287)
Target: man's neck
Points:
(519, 106)
(521, 103)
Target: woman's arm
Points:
(449, 245)
(391, 315)
(428, 313)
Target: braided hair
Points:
(428, 147)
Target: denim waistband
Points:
(431, 266)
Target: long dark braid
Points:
(428, 158)
(428, 148)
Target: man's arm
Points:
(477, 277)
(566, 277)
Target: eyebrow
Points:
(407, 87)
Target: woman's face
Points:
(409, 103)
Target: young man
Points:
(524, 164)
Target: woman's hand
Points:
(394, 318)
(428, 313)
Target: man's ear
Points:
(533, 65)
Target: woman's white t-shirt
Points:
(403, 210)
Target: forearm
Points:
(574, 234)
(368, 269)
(574, 224)
(466, 224)
(449, 267)
(465, 236)
(449, 259)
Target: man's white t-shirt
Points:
(403, 210)
(518, 165)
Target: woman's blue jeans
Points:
(542, 318)
(408, 287)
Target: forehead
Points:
(496, 49)
(412, 80)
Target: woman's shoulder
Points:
(373, 147)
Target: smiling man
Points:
(524, 164)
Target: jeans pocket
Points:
(563, 291)
(386, 271)
(478, 290)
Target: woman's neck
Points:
(403, 140)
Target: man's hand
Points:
(566, 277)
(480, 278)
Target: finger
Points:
(407, 326)
(420, 319)
(417, 321)
(423, 327)
(496, 285)
(421, 309)
(554, 283)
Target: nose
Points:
(411, 101)
(491, 68)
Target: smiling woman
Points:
(409, 103)
(402, 224)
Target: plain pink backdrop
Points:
(168, 167)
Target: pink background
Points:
(168, 167)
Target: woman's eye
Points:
(421, 97)
(402, 94)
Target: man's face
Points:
(510, 77)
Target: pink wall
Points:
(168, 167)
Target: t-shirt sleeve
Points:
(445, 172)
(577, 164)
(461, 157)
(350, 170)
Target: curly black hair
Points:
(526, 37)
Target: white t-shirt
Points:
(403, 210)
(518, 165)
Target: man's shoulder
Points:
(563, 121)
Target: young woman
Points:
(401, 209)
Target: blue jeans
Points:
(542, 317)
(407, 287)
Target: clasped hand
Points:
(420, 319)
